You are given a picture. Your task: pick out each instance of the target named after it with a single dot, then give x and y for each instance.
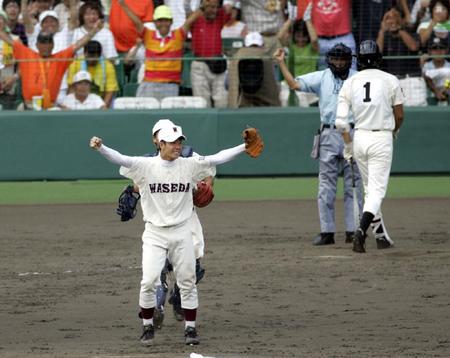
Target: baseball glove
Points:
(254, 144)
(203, 194)
(128, 200)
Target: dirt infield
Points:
(70, 277)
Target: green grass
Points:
(107, 191)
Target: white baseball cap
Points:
(161, 124)
(82, 76)
(253, 39)
(47, 13)
(171, 134)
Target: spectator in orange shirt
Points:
(43, 76)
(123, 29)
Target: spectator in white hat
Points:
(82, 98)
(49, 23)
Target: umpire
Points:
(329, 145)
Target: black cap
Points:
(45, 38)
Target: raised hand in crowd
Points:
(279, 55)
(73, 19)
(84, 40)
(390, 22)
(393, 23)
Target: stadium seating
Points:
(136, 103)
(184, 102)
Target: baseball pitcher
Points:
(165, 183)
(202, 195)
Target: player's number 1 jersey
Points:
(371, 94)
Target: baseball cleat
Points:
(158, 317)
(190, 336)
(359, 242)
(324, 238)
(349, 235)
(383, 243)
(148, 334)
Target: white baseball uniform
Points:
(371, 95)
(166, 199)
(196, 226)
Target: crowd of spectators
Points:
(84, 54)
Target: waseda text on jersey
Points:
(169, 187)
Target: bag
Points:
(251, 75)
(217, 66)
(316, 146)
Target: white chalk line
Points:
(112, 269)
(67, 272)
(178, 355)
(328, 257)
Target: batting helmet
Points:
(369, 55)
(340, 52)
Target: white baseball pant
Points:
(176, 243)
(197, 235)
(373, 153)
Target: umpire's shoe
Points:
(324, 238)
(148, 335)
(359, 241)
(384, 243)
(190, 336)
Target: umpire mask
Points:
(339, 60)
